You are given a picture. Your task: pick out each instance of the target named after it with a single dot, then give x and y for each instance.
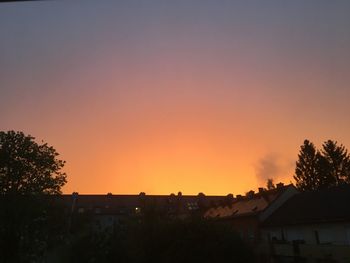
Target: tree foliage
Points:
(337, 160)
(30, 221)
(162, 240)
(306, 172)
(27, 167)
(321, 169)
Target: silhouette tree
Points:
(29, 220)
(322, 169)
(27, 167)
(307, 171)
(337, 162)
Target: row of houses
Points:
(281, 224)
(107, 211)
(284, 225)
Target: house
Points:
(246, 213)
(311, 227)
(105, 211)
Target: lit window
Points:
(192, 206)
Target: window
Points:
(192, 206)
(295, 234)
(326, 235)
(250, 233)
(348, 234)
(275, 235)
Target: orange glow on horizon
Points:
(190, 96)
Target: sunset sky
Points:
(167, 96)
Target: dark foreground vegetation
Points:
(36, 230)
(156, 240)
(30, 225)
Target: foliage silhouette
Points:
(31, 220)
(321, 169)
(27, 167)
(155, 239)
(338, 162)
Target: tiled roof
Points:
(248, 205)
(328, 205)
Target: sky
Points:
(167, 96)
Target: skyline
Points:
(192, 96)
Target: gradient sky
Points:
(168, 96)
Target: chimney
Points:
(201, 194)
(250, 194)
(279, 185)
(230, 196)
(261, 189)
(229, 199)
(239, 197)
(75, 197)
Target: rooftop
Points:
(251, 204)
(328, 205)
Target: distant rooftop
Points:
(328, 205)
(250, 204)
(117, 204)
